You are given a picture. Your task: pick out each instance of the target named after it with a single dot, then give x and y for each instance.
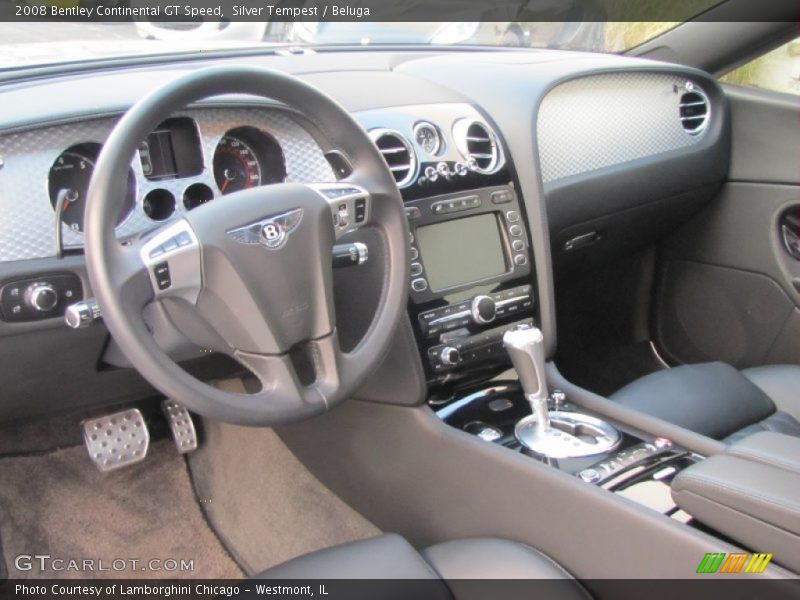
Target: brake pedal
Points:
(116, 440)
(180, 422)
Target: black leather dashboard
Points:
(638, 170)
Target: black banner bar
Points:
(710, 586)
(396, 10)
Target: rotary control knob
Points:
(450, 356)
(41, 297)
(483, 309)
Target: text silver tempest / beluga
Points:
(271, 232)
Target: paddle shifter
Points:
(525, 346)
(553, 434)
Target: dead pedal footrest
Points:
(116, 440)
(181, 424)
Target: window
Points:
(778, 70)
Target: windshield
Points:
(44, 43)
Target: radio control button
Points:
(512, 216)
(414, 253)
(517, 245)
(449, 356)
(484, 309)
(501, 197)
(515, 230)
(520, 260)
(419, 284)
(416, 269)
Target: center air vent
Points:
(694, 109)
(478, 145)
(397, 153)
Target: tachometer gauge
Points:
(236, 166)
(428, 138)
(71, 174)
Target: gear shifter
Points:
(557, 434)
(525, 346)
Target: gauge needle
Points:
(225, 185)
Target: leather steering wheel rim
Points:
(122, 281)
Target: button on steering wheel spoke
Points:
(172, 258)
(350, 205)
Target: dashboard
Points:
(510, 164)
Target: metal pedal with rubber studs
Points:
(116, 440)
(181, 424)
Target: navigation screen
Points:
(461, 251)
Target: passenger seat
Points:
(716, 400)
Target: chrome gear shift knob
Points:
(525, 346)
(560, 434)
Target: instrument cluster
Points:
(242, 157)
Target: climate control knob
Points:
(450, 356)
(483, 309)
(41, 297)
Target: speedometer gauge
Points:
(236, 166)
(428, 137)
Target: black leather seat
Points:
(445, 566)
(718, 401)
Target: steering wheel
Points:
(249, 275)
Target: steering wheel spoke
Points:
(325, 366)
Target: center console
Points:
(471, 273)
(474, 311)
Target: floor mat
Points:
(264, 504)
(59, 504)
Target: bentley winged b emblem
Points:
(271, 232)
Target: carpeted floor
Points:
(59, 504)
(263, 503)
(264, 507)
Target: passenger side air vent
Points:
(478, 144)
(694, 109)
(397, 153)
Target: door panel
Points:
(728, 289)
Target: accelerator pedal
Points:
(181, 424)
(116, 440)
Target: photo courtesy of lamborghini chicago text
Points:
(399, 300)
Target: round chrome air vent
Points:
(478, 143)
(694, 109)
(398, 154)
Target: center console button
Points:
(520, 260)
(450, 356)
(419, 284)
(412, 212)
(512, 216)
(483, 309)
(416, 269)
(515, 230)
(414, 253)
(501, 197)
(517, 245)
